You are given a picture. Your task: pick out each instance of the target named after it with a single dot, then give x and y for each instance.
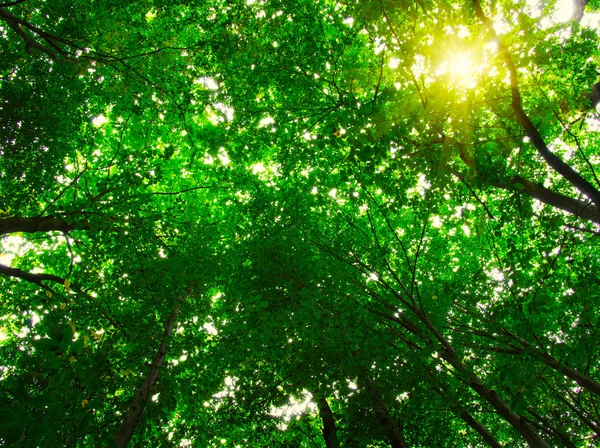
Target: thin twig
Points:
(461, 177)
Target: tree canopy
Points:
(299, 223)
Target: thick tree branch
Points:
(30, 43)
(536, 139)
(40, 224)
(580, 209)
(29, 277)
(480, 429)
(382, 413)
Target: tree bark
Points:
(329, 426)
(133, 415)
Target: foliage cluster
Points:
(298, 223)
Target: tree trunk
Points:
(529, 434)
(578, 9)
(329, 427)
(481, 430)
(132, 416)
(384, 418)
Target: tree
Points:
(298, 224)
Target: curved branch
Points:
(551, 159)
(581, 209)
(29, 277)
(30, 43)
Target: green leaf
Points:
(57, 379)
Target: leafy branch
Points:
(38, 279)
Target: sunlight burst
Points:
(461, 65)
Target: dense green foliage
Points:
(298, 223)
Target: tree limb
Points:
(580, 209)
(581, 379)
(133, 415)
(30, 43)
(536, 139)
(40, 224)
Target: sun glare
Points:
(99, 120)
(461, 65)
(563, 10)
